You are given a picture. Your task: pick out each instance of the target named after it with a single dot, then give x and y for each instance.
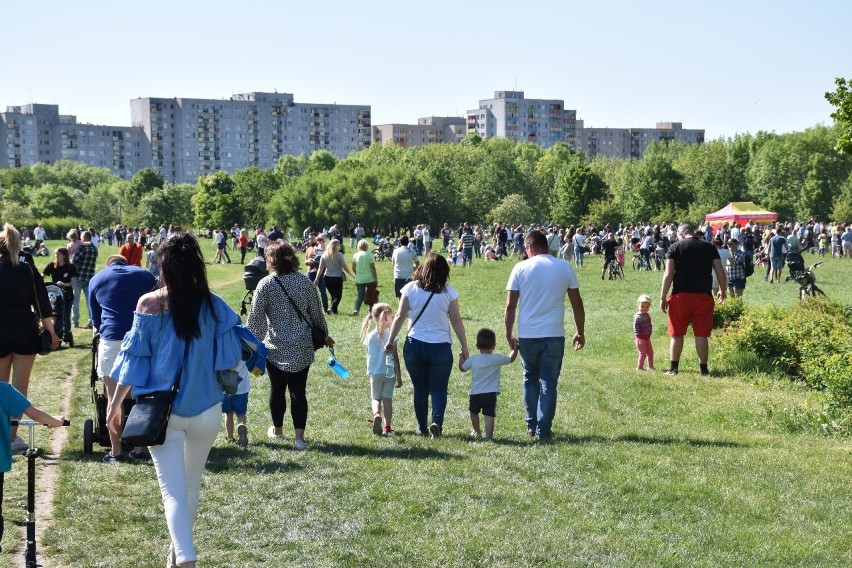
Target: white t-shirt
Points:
(724, 255)
(426, 237)
(542, 282)
(262, 240)
(434, 325)
(244, 385)
(376, 356)
(403, 262)
(485, 371)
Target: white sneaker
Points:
(271, 434)
(19, 446)
(300, 445)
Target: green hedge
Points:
(812, 343)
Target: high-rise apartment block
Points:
(633, 142)
(195, 137)
(428, 130)
(36, 133)
(183, 139)
(509, 115)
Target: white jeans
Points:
(180, 464)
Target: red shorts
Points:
(691, 307)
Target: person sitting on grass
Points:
(382, 372)
(485, 381)
(13, 403)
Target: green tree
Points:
(576, 189)
(841, 98)
(602, 212)
(253, 188)
(512, 209)
(53, 200)
(100, 206)
(167, 205)
(214, 203)
(142, 182)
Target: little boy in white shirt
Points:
(484, 381)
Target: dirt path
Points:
(47, 471)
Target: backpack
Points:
(749, 266)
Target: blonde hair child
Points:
(382, 367)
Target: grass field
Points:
(645, 470)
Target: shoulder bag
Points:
(148, 419)
(45, 341)
(318, 334)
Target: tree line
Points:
(801, 175)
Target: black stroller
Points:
(59, 312)
(252, 274)
(804, 276)
(95, 429)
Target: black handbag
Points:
(45, 341)
(149, 418)
(318, 334)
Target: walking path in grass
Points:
(46, 478)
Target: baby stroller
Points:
(58, 308)
(804, 276)
(252, 275)
(95, 429)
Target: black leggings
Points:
(279, 382)
(334, 286)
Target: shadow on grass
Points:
(397, 452)
(652, 440)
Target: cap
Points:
(643, 298)
(733, 242)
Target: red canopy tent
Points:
(740, 212)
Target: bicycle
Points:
(641, 262)
(615, 270)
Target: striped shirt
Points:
(642, 327)
(467, 240)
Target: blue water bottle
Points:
(341, 371)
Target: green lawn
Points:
(645, 469)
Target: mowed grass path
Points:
(645, 470)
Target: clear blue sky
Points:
(725, 66)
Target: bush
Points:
(728, 311)
(54, 227)
(811, 342)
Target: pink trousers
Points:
(646, 350)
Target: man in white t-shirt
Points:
(427, 240)
(404, 263)
(540, 284)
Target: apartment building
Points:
(633, 142)
(38, 134)
(428, 130)
(510, 115)
(195, 137)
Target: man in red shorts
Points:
(689, 266)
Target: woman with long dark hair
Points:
(431, 306)
(22, 292)
(180, 328)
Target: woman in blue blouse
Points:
(152, 354)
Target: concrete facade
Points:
(510, 115)
(195, 137)
(38, 134)
(428, 130)
(632, 143)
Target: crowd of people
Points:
(162, 319)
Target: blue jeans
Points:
(578, 255)
(429, 366)
(81, 287)
(541, 363)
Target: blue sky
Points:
(727, 67)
